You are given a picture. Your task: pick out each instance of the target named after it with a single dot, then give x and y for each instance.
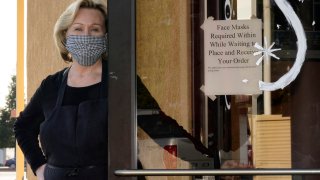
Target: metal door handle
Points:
(192, 172)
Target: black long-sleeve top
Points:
(40, 106)
(27, 126)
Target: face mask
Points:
(86, 50)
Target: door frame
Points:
(122, 151)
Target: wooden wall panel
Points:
(42, 57)
(163, 54)
(271, 143)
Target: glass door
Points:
(172, 132)
(163, 121)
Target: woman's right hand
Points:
(40, 172)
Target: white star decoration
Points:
(278, 26)
(266, 51)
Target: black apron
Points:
(74, 138)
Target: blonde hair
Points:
(66, 19)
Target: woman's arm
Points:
(27, 128)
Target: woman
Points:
(69, 110)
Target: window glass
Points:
(181, 128)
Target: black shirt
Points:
(41, 105)
(27, 126)
(76, 95)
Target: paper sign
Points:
(230, 67)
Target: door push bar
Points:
(193, 172)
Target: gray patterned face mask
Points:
(86, 50)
